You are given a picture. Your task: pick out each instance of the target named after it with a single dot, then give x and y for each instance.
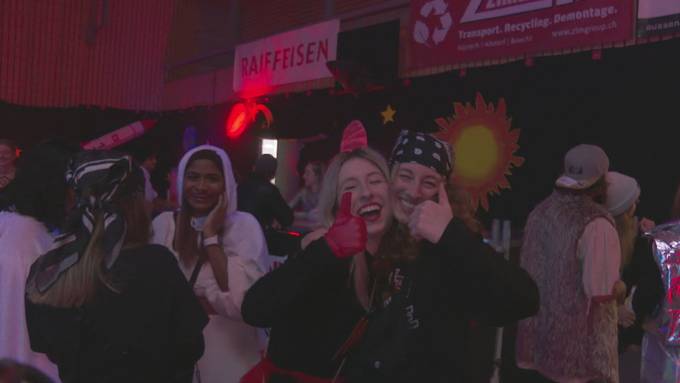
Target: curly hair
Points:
(398, 247)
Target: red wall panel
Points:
(46, 60)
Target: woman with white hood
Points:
(221, 252)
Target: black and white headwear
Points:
(424, 149)
(97, 177)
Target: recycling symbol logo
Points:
(421, 31)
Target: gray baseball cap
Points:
(583, 166)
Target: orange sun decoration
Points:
(484, 146)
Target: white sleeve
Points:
(149, 192)
(21, 243)
(600, 252)
(163, 229)
(245, 251)
(295, 201)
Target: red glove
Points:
(347, 236)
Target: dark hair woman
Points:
(222, 252)
(103, 304)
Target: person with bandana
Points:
(435, 275)
(104, 305)
(222, 252)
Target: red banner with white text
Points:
(450, 32)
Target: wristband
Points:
(210, 241)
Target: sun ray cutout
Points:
(484, 145)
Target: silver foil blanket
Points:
(666, 250)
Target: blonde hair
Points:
(627, 228)
(80, 283)
(328, 196)
(461, 206)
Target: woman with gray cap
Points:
(623, 193)
(103, 304)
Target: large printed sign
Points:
(295, 56)
(448, 31)
(658, 17)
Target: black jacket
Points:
(263, 200)
(419, 334)
(6, 195)
(311, 308)
(149, 332)
(642, 273)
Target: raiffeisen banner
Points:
(289, 57)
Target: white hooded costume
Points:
(22, 240)
(231, 346)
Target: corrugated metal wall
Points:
(46, 60)
(345, 6)
(261, 18)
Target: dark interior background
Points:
(628, 102)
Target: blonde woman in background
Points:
(305, 201)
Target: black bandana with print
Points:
(424, 149)
(97, 178)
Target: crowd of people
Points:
(100, 284)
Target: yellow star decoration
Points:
(388, 114)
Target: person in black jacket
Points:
(102, 304)
(315, 301)
(259, 197)
(437, 275)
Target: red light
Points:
(294, 233)
(236, 122)
(244, 114)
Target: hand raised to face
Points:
(429, 219)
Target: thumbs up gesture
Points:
(429, 219)
(347, 236)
